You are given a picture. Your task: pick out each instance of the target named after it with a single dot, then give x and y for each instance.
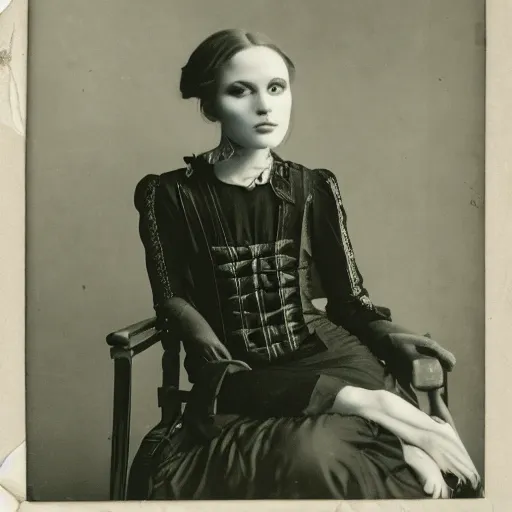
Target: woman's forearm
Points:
(188, 321)
(193, 329)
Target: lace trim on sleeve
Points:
(353, 272)
(154, 243)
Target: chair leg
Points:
(120, 428)
(445, 388)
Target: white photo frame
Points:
(498, 453)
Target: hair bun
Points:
(188, 86)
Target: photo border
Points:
(498, 279)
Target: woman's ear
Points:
(209, 111)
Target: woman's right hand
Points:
(213, 349)
(193, 329)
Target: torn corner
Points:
(13, 473)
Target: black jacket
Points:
(189, 255)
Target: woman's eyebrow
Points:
(241, 82)
(249, 84)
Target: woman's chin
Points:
(267, 143)
(256, 141)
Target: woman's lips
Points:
(265, 123)
(265, 127)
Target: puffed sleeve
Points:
(161, 233)
(348, 302)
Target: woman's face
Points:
(254, 89)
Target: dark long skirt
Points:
(308, 381)
(278, 440)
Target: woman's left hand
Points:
(425, 345)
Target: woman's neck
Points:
(247, 161)
(243, 166)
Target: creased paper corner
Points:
(8, 503)
(4, 4)
(13, 477)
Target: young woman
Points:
(235, 243)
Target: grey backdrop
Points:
(389, 95)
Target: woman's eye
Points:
(276, 88)
(239, 91)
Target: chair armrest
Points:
(134, 339)
(422, 372)
(426, 372)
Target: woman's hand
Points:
(424, 345)
(446, 448)
(212, 349)
(193, 329)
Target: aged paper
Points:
(13, 54)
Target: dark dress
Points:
(307, 381)
(275, 436)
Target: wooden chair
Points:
(426, 377)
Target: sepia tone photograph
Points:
(207, 185)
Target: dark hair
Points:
(199, 75)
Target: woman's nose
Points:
(263, 105)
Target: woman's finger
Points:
(218, 354)
(224, 351)
(448, 465)
(469, 472)
(458, 463)
(212, 354)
